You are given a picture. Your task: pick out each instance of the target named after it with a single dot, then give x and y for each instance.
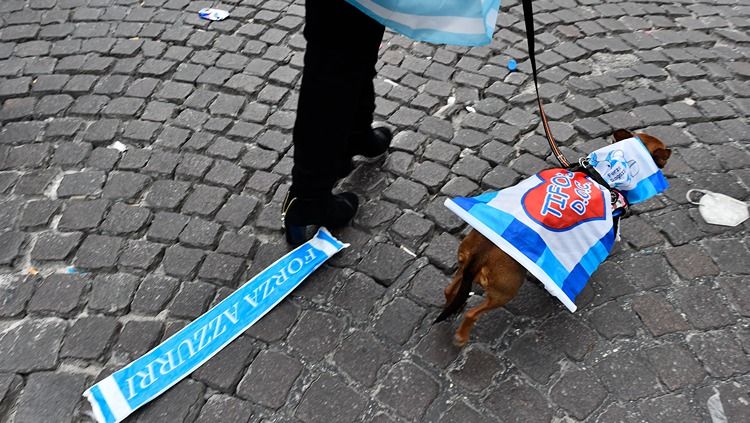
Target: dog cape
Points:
(558, 224)
(126, 390)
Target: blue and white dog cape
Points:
(558, 224)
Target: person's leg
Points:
(364, 140)
(366, 107)
(336, 94)
(337, 59)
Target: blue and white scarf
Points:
(116, 396)
(558, 224)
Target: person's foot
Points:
(301, 216)
(373, 144)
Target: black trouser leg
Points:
(366, 109)
(336, 94)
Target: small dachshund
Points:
(481, 262)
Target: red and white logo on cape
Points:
(563, 200)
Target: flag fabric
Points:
(458, 22)
(557, 223)
(628, 167)
(126, 390)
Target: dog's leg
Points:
(470, 318)
(501, 282)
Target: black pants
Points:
(337, 97)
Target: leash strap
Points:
(528, 16)
(618, 200)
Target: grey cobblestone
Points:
(437, 348)
(528, 353)
(269, 379)
(399, 310)
(514, 399)
(134, 159)
(272, 330)
(192, 300)
(361, 356)
(723, 360)
(224, 370)
(691, 262)
(405, 377)
(10, 246)
(566, 387)
(658, 315)
(358, 295)
(98, 252)
(731, 286)
(51, 246)
(675, 365)
(330, 399)
(639, 380)
(58, 294)
(17, 293)
(384, 263)
(112, 293)
(33, 345)
(181, 262)
(183, 401)
(50, 396)
(225, 408)
(315, 335)
(89, 337)
(123, 219)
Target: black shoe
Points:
(301, 216)
(372, 145)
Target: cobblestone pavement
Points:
(190, 209)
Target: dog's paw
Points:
(459, 341)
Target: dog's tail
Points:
(464, 291)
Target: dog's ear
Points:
(621, 134)
(661, 155)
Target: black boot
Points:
(302, 216)
(373, 144)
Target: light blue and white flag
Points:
(126, 390)
(458, 22)
(558, 224)
(628, 167)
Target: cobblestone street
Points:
(151, 149)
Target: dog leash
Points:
(528, 16)
(618, 200)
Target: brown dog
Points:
(481, 262)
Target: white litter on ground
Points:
(117, 145)
(716, 409)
